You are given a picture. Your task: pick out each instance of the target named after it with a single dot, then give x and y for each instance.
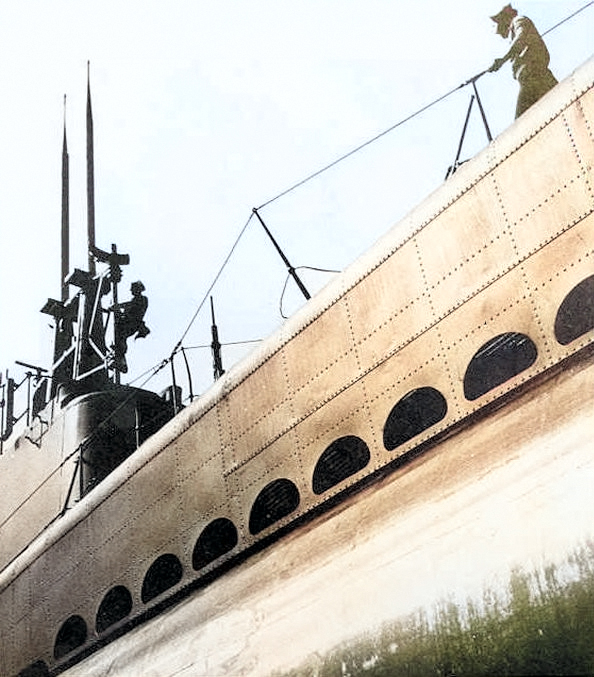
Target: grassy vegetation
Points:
(543, 624)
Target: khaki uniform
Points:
(530, 63)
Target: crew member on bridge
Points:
(529, 57)
(129, 321)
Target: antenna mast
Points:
(217, 360)
(90, 179)
(65, 214)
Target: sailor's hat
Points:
(507, 13)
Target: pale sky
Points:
(203, 111)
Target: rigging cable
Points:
(567, 18)
(195, 315)
(360, 147)
(301, 183)
(317, 173)
(228, 343)
(398, 124)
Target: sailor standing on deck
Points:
(529, 57)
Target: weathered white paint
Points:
(514, 490)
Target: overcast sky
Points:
(204, 110)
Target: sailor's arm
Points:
(522, 28)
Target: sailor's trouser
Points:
(535, 80)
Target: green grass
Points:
(542, 624)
